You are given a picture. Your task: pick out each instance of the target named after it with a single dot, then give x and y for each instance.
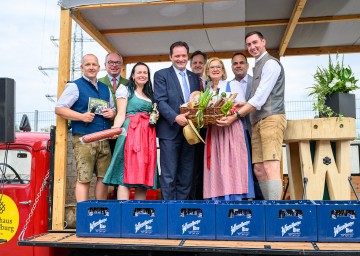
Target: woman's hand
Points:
(226, 120)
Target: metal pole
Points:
(353, 187)
(36, 120)
(304, 191)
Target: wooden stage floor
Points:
(196, 247)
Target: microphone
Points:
(92, 110)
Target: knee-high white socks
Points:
(271, 189)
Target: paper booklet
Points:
(99, 105)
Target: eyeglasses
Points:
(215, 67)
(114, 62)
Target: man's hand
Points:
(226, 120)
(108, 113)
(181, 119)
(238, 105)
(88, 117)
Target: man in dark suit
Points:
(172, 87)
(113, 65)
(197, 64)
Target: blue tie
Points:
(185, 86)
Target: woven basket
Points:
(211, 114)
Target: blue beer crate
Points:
(98, 218)
(144, 219)
(338, 221)
(191, 219)
(292, 220)
(240, 220)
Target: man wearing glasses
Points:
(113, 65)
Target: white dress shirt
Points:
(239, 88)
(269, 75)
(177, 71)
(71, 94)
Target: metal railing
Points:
(295, 110)
(39, 120)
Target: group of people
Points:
(241, 157)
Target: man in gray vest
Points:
(267, 116)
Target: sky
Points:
(25, 32)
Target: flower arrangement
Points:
(335, 78)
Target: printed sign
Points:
(9, 218)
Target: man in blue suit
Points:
(172, 87)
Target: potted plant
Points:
(331, 90)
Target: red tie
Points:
(201, 84)
(114, 83)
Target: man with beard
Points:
(267, 116)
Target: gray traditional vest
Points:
(275, 102)
(247, 97)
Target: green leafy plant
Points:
(335, 78)
(204, 99)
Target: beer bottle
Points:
(153, 116)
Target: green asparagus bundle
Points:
(204, 99)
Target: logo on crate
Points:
(195, 229)
(140, 225)
(241, 226)
(348, 231)
(292, 226)
(99, 223)
(98, 210)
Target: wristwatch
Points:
(238, 115)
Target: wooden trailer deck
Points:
(189, 247)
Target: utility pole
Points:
(77, 54)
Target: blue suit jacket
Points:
(168, 95)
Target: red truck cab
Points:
(25, 193)
(24, 164)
